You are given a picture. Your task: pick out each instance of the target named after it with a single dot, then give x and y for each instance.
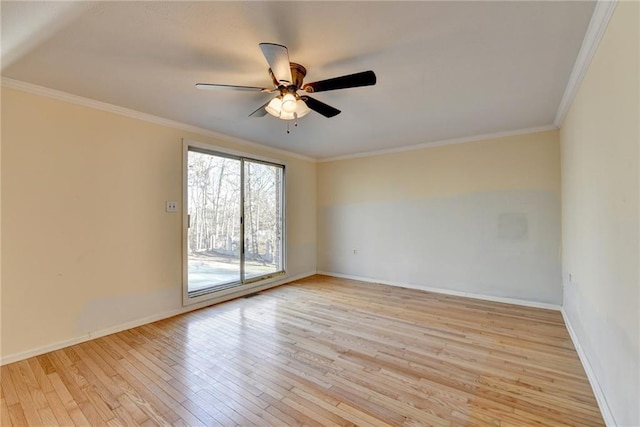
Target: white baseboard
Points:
(87, 337)
(145, 320)
(514, 301)
(591, 376)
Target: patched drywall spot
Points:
(513, 226)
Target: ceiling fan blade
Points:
(320, 107)
(278, 58)
(365, 78)
(211, 86)
(261, 111)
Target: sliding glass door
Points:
(234, 220)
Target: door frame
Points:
(246, 285)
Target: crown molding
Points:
(127, 112)
(474, 138)
(597, 26)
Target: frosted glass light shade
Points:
(301, 108)
(274, 107)
(288, 103)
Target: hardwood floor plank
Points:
(68, 402)
(59, 411)
(5, 419)
(320, 351)
(66, 374)
(289, 410)
(27, 405)
(282, 418)
(347, 414)
(9, 393)
(47, 417)
(203, 417)
(133, 411)
(16, 415)
(42, 382)
(228, 408)
(361, 401)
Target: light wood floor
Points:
(323, 351)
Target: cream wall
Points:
(87, 244)
(479, 218)
(600, 216)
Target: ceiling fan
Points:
(287, 80)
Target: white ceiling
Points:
(446, 70)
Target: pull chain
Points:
(295, 122)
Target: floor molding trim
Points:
(145, 320)
(492, 298)
(591, 376)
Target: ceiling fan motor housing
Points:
(298, 72)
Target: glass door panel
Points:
(214, 228)
(262, 219)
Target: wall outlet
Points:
(355, 252)
(172, 206)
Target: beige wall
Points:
(529, 161)
(87, 244)
(481, 218)
(600, 219)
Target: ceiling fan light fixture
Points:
(287, 116)
(301, 108)
(274, 107)
(289, 103)
(287, 78)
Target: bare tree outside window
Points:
(217, 232)
(262, 207)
